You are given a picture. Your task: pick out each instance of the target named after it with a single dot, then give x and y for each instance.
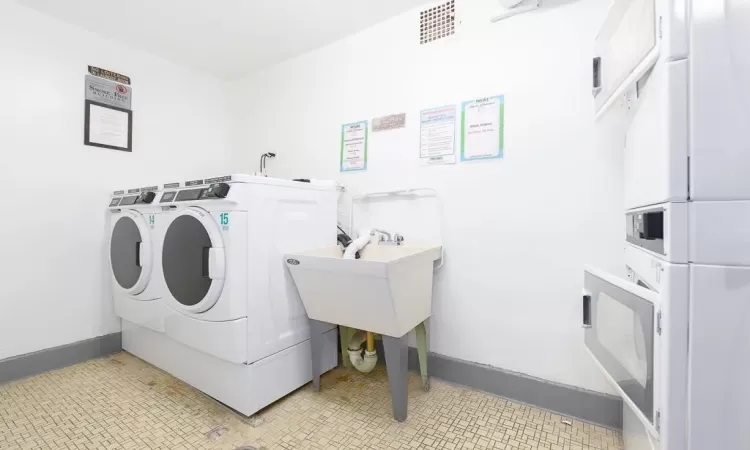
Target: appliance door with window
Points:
(636, 331)
(194, 265)
(635, 34)
(193, 261)
(621, 321)
(130, 254)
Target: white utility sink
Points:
(387, 291)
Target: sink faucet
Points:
(386, 238)
(382, 232)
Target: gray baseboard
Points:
(30, 364)
(589, 406)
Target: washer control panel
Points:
(141, 196)
(213, 191)
(148, 195)
(168, 196)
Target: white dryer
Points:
(134, 257)
(236, 327)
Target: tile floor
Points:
(121, 402)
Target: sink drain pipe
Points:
(367, 363)
(370, 359)
(357, 245)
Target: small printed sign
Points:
(353, 147)
(194, 183)
(108, 74)
(118, 192)
(134, 191)
(171, 185)
(108, 92)
(149, 188)
(391, 122)
(438, 136)
(483, 128)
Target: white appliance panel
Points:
(294, 220)
(720, 100)
(720, 232)
(246, 388)
(719, 358)
(656, 148)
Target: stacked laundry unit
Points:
(674, 339)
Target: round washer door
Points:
(130, 252)
(193, 260)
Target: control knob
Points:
(218, 190)
(146, 197)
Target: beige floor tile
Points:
(121, 402)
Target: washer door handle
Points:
(204, 262)
(142, 254)
(216, 263)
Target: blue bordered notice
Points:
(437, 143)
(353, 147)
(482, 128)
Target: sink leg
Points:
(317, 329)
(396, 360)
(422, 349)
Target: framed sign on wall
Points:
(108, 126)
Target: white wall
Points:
(54, 285)
(517, 231)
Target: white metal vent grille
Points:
(437, 22)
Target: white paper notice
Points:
(482, 127)
(354, 146)
(438, 136)
(108, 127)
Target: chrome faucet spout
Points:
(388, 236)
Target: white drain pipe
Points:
(354, 348)
(365, 364)
(357, 244)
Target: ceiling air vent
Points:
(437, 22)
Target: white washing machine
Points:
(135, 239)
(236, 327)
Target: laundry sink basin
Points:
(387, 291)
